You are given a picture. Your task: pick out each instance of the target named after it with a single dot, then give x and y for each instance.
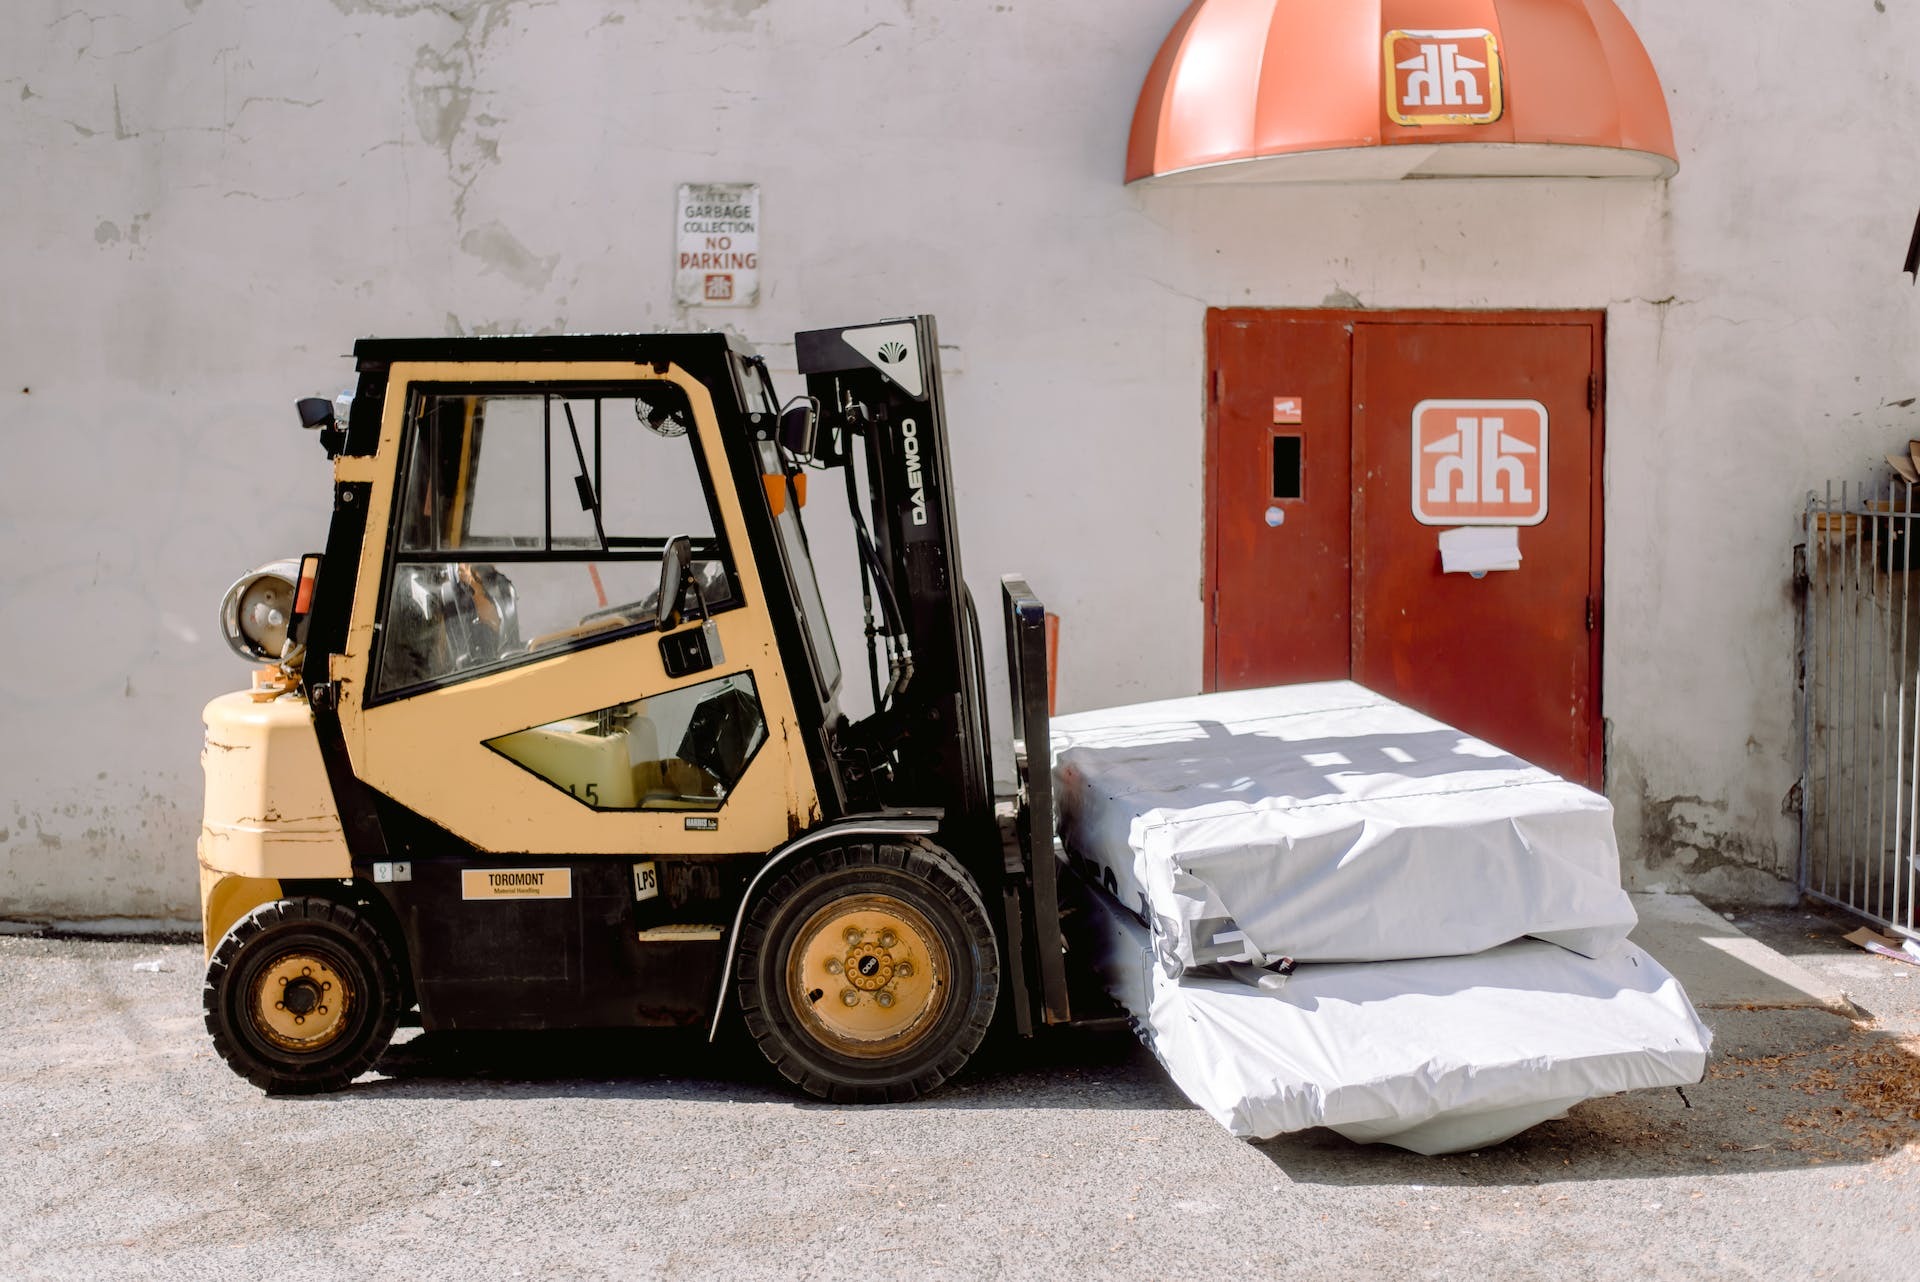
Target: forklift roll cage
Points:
(918, 767)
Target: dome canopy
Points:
(1333, 90)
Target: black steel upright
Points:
(880, 391)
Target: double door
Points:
(1344, 449)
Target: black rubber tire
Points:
(933, 883)
(351, 944)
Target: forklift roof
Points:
(551, 347)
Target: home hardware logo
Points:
(1443, 77)
(1480, 462)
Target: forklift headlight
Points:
(258, 609)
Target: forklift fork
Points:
(1033, 870)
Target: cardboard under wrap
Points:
(1440, 1055)
(1328, 823)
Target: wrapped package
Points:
(1328, 823)
(1439, 1055)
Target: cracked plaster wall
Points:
(208, 200)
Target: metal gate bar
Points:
(1859, 707)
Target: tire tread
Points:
(287, 914)
(931, 868)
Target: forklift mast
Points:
(881, 406)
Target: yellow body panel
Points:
(269, 809)
(428, 751)
(225, 899)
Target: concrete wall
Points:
(207, 201)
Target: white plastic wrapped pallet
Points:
(1437, 1056)
(1325, 822)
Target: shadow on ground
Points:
(1785, 1090)
(1066, 1068)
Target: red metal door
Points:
(1281, 509)
(1512, 656)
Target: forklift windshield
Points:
(534, 521)
(795, 554)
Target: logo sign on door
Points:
(1443, 77)
(1480, 462)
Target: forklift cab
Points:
(516, 645)
(564, 690)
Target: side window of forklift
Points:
(530, 523)
(682, 750)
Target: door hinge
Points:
(1593, 614)
(1593, 392)
(1219, 386)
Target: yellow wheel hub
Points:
(868, 976)
(300, 1002)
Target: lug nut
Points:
(850, 997)
(833, 966)
(884, 997)
(888, 939)
(853, 936)
(903, 970)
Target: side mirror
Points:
(689, 650)
(318, 414)
(799, 422)
(676, 567)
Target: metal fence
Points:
(1859, 708)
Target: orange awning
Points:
(1331, 90)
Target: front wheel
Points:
(301, 996)
(869, 972)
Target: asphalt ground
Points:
(128, 1150)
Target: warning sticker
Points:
(516, 883)
(646, 881)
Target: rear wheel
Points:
(869, 973)
(301, 996)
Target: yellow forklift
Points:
(549, 734)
